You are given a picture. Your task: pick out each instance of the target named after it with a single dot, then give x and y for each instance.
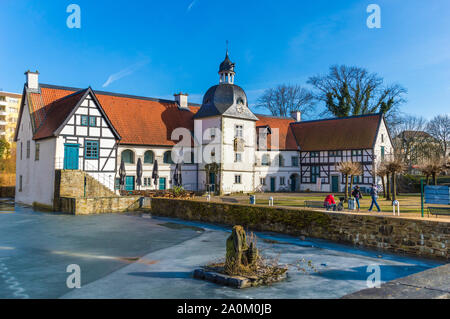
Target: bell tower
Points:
(226, 70)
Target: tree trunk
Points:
(351, 185)
(388, 187)
(428, 179)
(394, 188)
(384, 186)
(397, 189)
(435, 179)
(346, 188)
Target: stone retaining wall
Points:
(398, 235)
(71, 184)
(98, 205)
(7, 191)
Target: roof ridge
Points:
(340, 118)
(275, 116)
(137, 97)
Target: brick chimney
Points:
(32, 79)
(182, 100)
(297, 116)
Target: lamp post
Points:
(421, 196)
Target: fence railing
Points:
(107, 181)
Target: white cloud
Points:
(125, 72)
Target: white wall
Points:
(188, 171)
(276, 171)
(38, 177)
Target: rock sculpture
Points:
(239, 254)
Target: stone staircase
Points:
(78, 193)
(70, 183)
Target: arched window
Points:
(168, 157)
(149, 157)
(265, 161)
(128, 157)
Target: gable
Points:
(86, 120)
(62, 111)
(277, 128)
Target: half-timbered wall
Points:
(77, 131)
(323, 165)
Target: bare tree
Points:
(348, 169)
(395, 167)
(356, 171)
(382, 172)
(285, 99)
(413, 145)
(439, 128)
(432, 168)
(353, 91)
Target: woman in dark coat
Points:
(357, 195)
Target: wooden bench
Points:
(314, 204)
(444, 211)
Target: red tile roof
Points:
(357, 132)
(139, 121)
(285, 134)
(146, 121)
(57, 112)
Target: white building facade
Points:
(225, 147)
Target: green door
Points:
(129, 183)
(162, 183)
(293, 183)
(335, 184)
(212, 182)
(71, 156)
(272, 184)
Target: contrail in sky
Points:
(125, 72)
(191, 5)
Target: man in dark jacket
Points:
(374, 195)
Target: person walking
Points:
(357, 195)
(374, 195)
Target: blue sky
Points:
(157, 48)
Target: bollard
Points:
(396, 204)
(252, 200)
(208, 197)
(271, 201)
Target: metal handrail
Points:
(106, 181)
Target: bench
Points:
(314, 204)
(439, 211)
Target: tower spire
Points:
(226, 70)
